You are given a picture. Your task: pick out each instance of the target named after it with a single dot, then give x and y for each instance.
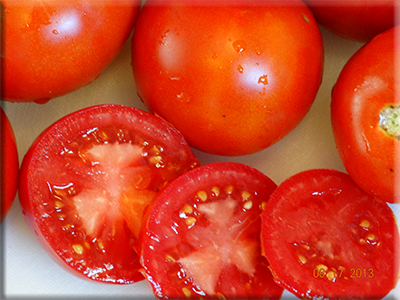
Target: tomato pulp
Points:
(233, 77)
(358, 20)
(86, 181)
(9, 165)
(51, 48)
(326, 238)
(365, 113)
(201, 235)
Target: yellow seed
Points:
(100, 245)
(248, 204)
(60, 192)
(67, 227)
(78, 249)
(187, 292)
(302, 259)
(87, 245)
(102, 135)
(362, 241)
(322, 267)
(215, 190)
(229, 190)
(263, 204)
(190, 221)
(155, 159)
(365, 223)
(187, 209)
(221, 296)
(306, 247)
(371, 237)
(62, 217)
(330, 275)
(169, 258)
(202, 195)
(59, 204)
(245, 195)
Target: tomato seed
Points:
(187, 292)
(248, 204)
(302, 259)
(245, 195)
(190, 221)
(187, 209)
(202, 195)
(321, 267)
(229, 190)
(59, 204)
(365, 223)
(169, 258)
(330, 275)
(371, 237)
(263, 204)
(78, 249)
(215, 190)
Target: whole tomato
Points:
(233, 77)
(51, 48)
(358, 20)
(9, 165)
(366, 117)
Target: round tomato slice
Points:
(201, 235)
(9, 165)
(86, 181)
(365, 115)
(326, 238)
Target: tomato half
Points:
(86, 181)
(51, 48)
(366, 117)
(325, 238)
(201, 235)
(9, 165)
(358, 20)
(233, 76)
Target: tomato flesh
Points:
(325, 237)
(87, 180)
(208, 244)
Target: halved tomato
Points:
(86, 181)
(201, 235)
(326, 238)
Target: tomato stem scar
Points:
(389, 120)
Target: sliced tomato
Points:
(86, 181)
(325, 238)
(201, 235)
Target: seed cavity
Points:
(389, 120)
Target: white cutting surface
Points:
(30, 272)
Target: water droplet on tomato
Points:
(239, 46)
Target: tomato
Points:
(86, 181)
(9, 165)
(242, 73)
(325, 238)
(52, 48)
(358, 20)
(366, 118)
(201, 235)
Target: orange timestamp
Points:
(322, 271)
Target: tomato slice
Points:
(201, 235)
(325, 238)
(86, 181)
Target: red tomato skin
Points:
(300, 196)
(28, 186)
(358, 20)
(228, 71)
(9, 165)
(54, 48)
(364, 87)
(154, 266)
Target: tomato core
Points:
(389, 120)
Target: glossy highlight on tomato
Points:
(365, 115)
(86, 181)
(358, 20)
(241, 73)
(9, 165)
(51, 48)
(201, 236)
(326, 238)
